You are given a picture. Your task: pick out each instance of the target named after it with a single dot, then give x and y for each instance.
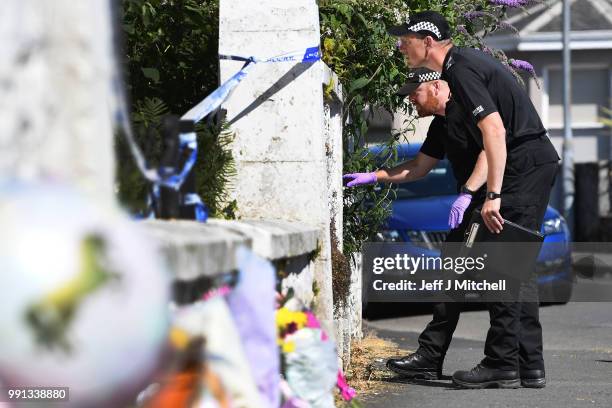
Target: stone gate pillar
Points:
(277, 114)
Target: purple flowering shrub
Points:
(474, 21)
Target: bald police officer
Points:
(447, 137)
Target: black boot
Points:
(533, 378)
(484, 377)
(416, 366)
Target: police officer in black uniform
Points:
(448, 135)
(522, 164)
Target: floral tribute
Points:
(309, 360)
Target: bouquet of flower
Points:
(309, 360)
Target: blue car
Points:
(420, 218)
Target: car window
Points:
(440, 181)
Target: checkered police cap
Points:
(425, 22)
(429, 76)
(415, 78)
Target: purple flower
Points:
(472, 15)
(510, 3)
(461, 29)
(503, 25)
(524, 65)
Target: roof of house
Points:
(540, 26)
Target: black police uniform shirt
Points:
(449, 136)
(482, 85)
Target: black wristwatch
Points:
(493, 196)
(465, 190)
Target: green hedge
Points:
(171, 61)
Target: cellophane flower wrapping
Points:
(312, 367)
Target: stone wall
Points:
(194, 251)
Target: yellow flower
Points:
(179, 338)
(288, 347)
(285, 316)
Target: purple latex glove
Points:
(457, 209)
(357, 179)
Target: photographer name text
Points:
(439, 285)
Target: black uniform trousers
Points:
(515, 336)
(435, 339)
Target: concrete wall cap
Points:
(193, 249)
(275, 239)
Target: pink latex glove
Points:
(457, 209)
(357, 179)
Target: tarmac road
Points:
(577, 352)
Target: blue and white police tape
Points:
(169, 177)
(211, 103)
(215, 99)
(200, 209)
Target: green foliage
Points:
(216, 170)
(171, 62)
(356, 46)
(171, 49)
(365, 209)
